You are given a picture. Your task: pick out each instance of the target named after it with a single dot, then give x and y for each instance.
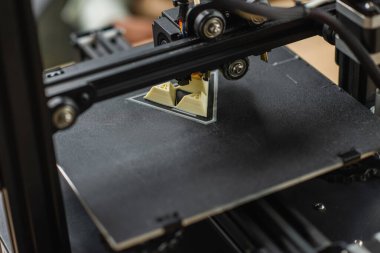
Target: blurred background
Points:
(57, 19)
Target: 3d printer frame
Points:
(29, 179)
(75, 88)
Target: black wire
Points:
(352, 42)
(318, 15)
(263, 9)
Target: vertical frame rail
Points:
(29, 176)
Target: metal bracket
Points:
(351, 156)
(171, 222)
(357, 17)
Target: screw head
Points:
(359, 242)
(237, 68)
(257, 20)
(64, 117)
(320, 207)
(213, 28)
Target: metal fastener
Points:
(237, 68)
(320, 207)
(213, 28)
(64, 117)
(359, 242)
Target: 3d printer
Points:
(151, 179)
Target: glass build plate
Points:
(137, 170)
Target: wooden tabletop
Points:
(319, 54)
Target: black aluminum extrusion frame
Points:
(29, 177)
(86, 83)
